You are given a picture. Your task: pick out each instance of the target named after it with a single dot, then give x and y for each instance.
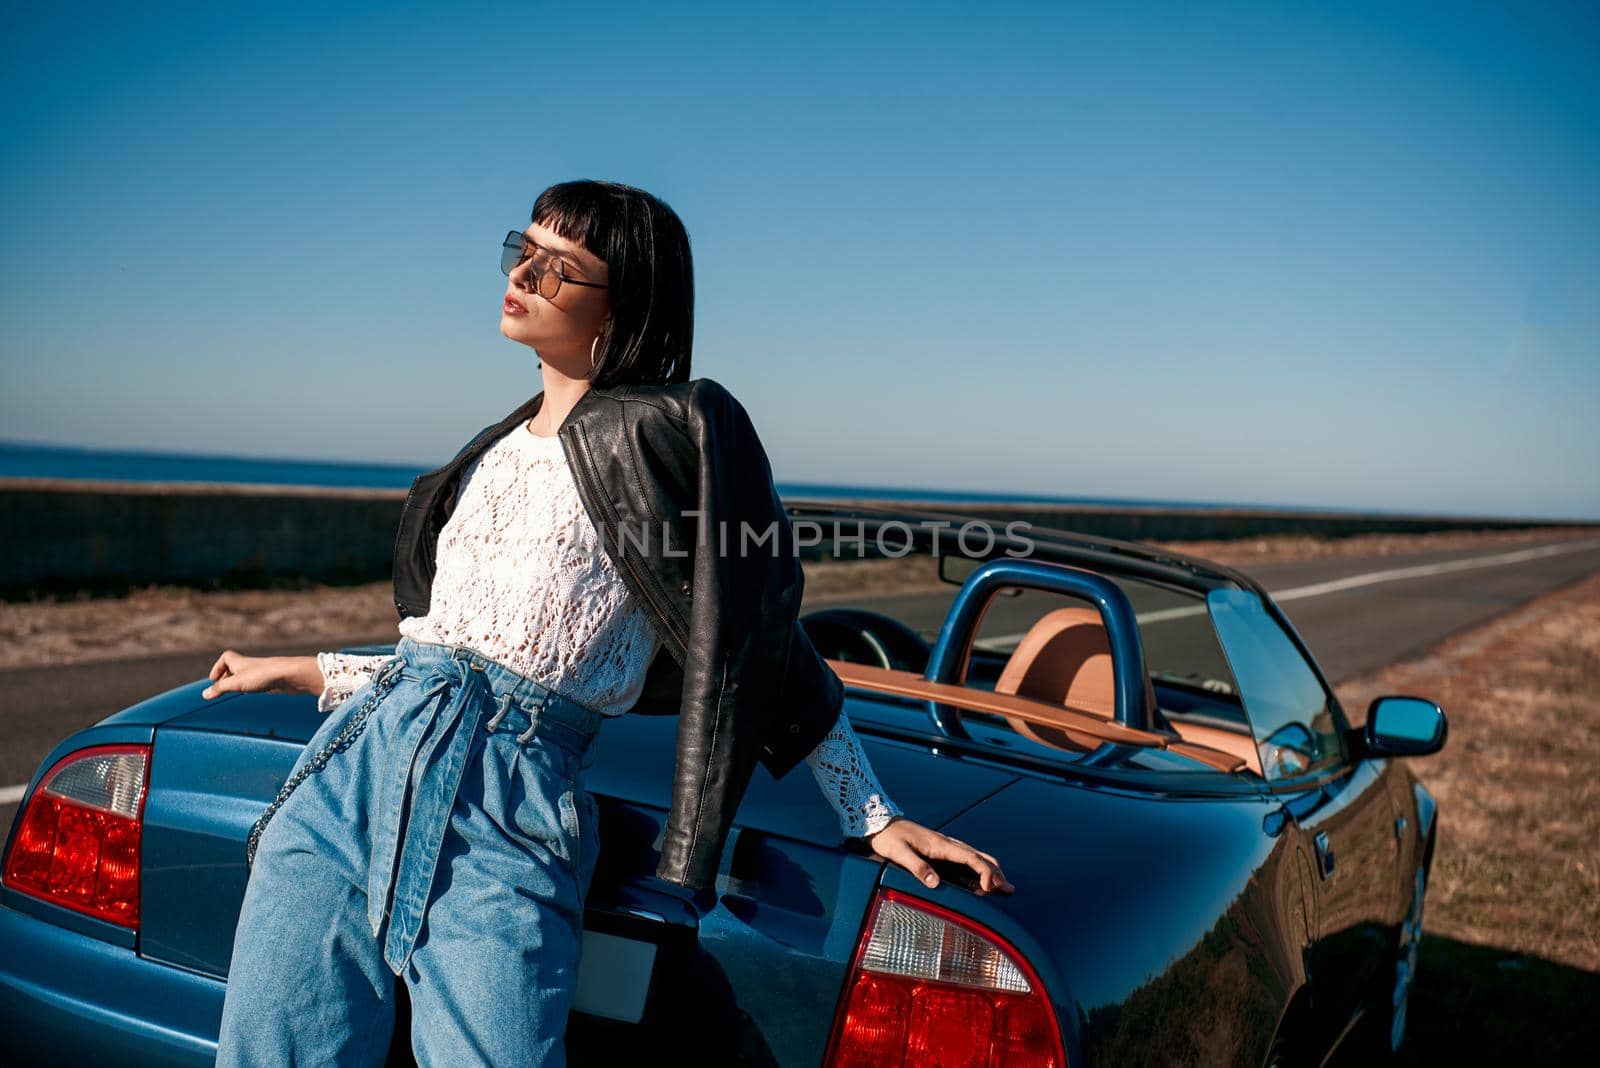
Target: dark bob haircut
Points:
(651, 275)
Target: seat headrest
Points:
(1065, 659)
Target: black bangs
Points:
(573, 210)
(650, 271)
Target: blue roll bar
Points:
(1131, 683)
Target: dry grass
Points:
(1510, 966)
(915, 573)
(1518, 783)
(74, 629)
(170, 619)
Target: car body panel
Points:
(69, 998)
(788, 890)
(1347, 834)
(1173, 925)
(209, 786)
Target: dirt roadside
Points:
(168, 619)
(1287, 547)
(1518, 782)
(1510, 964)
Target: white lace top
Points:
(521, 576)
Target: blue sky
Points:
(1326, 254)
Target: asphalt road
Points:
(1357, 614)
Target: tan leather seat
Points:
(1065, 659)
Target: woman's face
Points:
(562, 328)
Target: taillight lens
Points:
(935, 989)
(77, 842)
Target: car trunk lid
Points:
(793, 896)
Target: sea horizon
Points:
(19, 459)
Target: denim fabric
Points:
(446, 838)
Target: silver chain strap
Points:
(380, 686)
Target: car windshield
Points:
(1037, 644)
(1290, 711)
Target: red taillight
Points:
(931, 988)
(77, 842)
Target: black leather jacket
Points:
(669, 476)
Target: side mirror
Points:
(1288, 752)
(1404, 726)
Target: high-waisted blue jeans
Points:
(440, 831)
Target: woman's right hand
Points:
(234, 671)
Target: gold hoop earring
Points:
(592, 344)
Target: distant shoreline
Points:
(792, 492)
(104, 469)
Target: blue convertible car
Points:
(1210, 864)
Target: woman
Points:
(436, 826)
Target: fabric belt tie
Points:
(416, 796)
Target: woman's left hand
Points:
(910, 845)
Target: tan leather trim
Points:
(1049, 724)
(910, 684)
(1242, 747)
(1214, 758)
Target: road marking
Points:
(10, 795)
(1395, 574)
(1317, 589)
